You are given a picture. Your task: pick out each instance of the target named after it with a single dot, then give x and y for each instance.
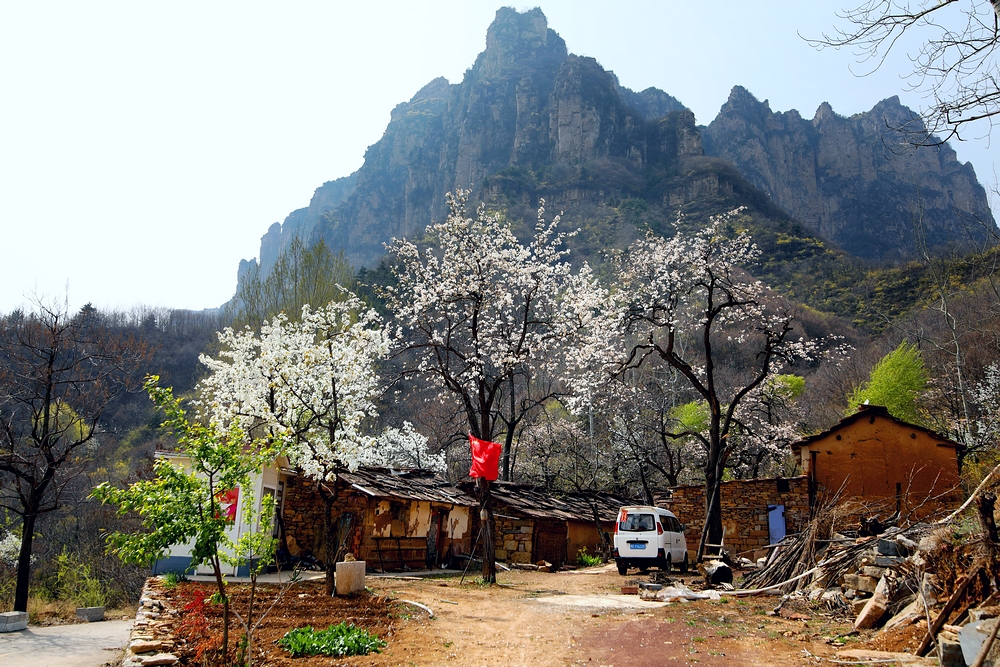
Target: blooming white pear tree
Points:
(312, 385)
(684, 300)
(490, 321)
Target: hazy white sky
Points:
(146, 147)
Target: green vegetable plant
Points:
(338, 640)
(587, 560)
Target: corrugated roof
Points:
(407, 484)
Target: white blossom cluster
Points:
(312, 384)
(481, 307)
(692, 285)
(10, 549)
(405, 448)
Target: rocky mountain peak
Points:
(823, 112)
(854, 179)
(428, 99)
(515, 37)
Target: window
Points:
(636, 523)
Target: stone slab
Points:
(870, 656)
(874, 609)
(90, 614)
(350, 577)
(950, 653)
(860, 582)
(13, 621)
(973, 636)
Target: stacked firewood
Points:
(933, 577)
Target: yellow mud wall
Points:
(420, 519)
(879, 459)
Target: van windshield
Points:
(635, 523)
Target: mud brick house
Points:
(393, 519)
(755, 512)
(532, 524)
(880, 464)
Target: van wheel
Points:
(683, 565)
(667, 564)
(622, 567)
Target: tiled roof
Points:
(407, 484)
(538, 503)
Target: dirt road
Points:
(580, 618)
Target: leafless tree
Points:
(954, 64)
(58, 374)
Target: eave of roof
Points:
(873, 411)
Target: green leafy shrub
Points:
(586, 560)
(171, 579)
(70, 579)
(337, 641)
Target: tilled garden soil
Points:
(543, 619)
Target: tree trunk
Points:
(221, 585)
(712, 531)
(986, 503)
(508, 441)
(486, 516)
(647, 495)
(24, 562)
(330, 557)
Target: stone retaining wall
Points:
(152, 639)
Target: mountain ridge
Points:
(530, 119)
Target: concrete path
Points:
(80, 645)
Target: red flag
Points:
(229, 501)
(485, 458)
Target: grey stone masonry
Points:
(152, 633)
(12, 621)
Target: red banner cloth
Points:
(485, 458)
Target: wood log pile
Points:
(933, 581)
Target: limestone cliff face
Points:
(530, 120)
(854, 179)
(301, 222)
(526, 103)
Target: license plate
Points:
(636, 546)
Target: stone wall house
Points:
(755, 512)
(398, 519)
(532, 524)
(880, 465)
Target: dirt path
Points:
(565, 619)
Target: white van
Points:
(647, 536)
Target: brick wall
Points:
(744, 510)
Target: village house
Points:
(880, 465)
(270, 481)
(532, 524)
(392, 519)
